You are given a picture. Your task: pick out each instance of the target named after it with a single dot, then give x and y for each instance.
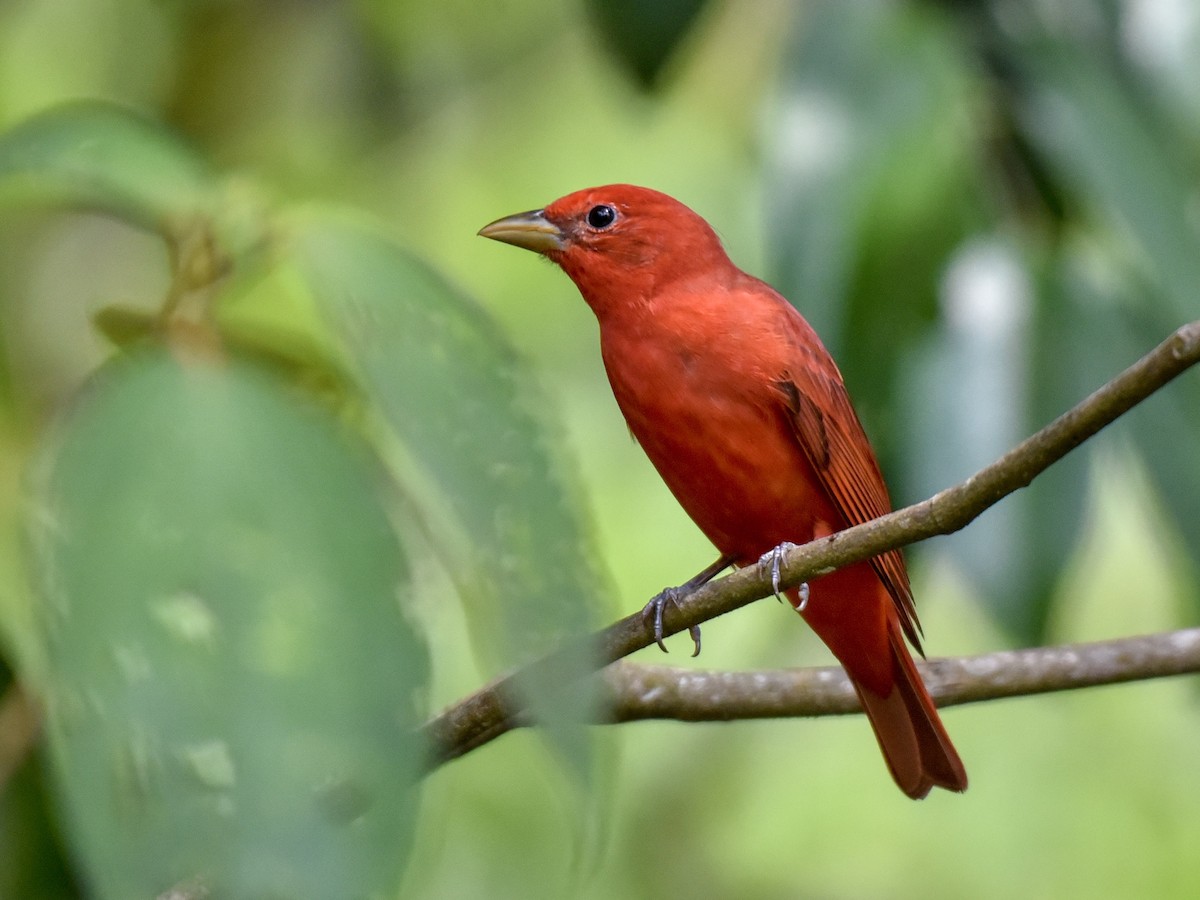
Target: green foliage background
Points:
(986, 208)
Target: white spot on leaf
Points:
(187, 618)
(211, 763)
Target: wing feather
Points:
(828, 429)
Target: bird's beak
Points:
(531, 230)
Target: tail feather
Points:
(852, 611)
(914, 742)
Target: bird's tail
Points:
(851, 611)
(914, 742)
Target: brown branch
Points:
(632, 692)
(495, 709)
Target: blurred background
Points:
(987, 209)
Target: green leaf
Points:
(1073, 318)
(104, 156)
(964, 406)
(232, 683)
(1166, 431)
(475, 452)
(1070, 321)
(643, 36)
(31, 859)
(1099, 137)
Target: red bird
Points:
(744, 413)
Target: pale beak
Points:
(531, 230)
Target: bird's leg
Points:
(774, 558)
(674, 595)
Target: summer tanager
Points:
(744, 413)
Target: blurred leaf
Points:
(294, 357)
(1166, 431)
(643, 36)
(105, 156)
(289, 353)
(965, 406)
(476, 454)
(232, 682)
(1074, 318)
(870, 187)
(1121, 161)
(32, 865)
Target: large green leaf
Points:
(105, 156)
(475, 451)
(232, 684)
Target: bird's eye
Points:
(601, 216)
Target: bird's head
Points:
(617, 243)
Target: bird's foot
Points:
(653, 611)
(774, 560)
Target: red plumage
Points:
(745, 415)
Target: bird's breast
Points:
(710, 420)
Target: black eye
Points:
(602, 216)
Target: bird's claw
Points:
(774, 559)
(653, 611)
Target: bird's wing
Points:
(827, 427)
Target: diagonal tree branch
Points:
(495, 709)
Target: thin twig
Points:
(495, 709)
